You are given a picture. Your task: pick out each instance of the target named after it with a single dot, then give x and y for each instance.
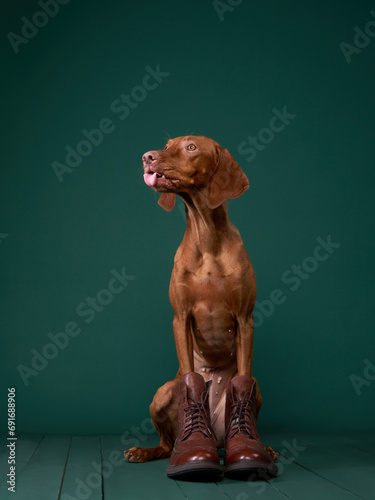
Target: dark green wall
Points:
(60, 241)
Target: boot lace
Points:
(240, 421)
(196, 419)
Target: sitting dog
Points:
(214, 400)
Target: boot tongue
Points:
(242, 385)
(195, 386)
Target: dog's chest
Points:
(209, 278)
(208, 266)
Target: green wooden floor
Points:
(311, 466)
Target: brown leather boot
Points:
(194, 455)
(245, 454)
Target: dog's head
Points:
(195, 165)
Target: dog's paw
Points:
(274, 454)
(138, 455)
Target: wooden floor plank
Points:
(26, 446)
(207, 491)
(135, 481)
(365, 442)
(3, 445)
(299, 482)
(350, 467)
(249, 489)
(3, 451)
(83, 475)
(41, 477)
(223, 489)
(190, 489)
(271, 489)
(325, 456)
(313, 466)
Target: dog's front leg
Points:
(184, 343)
(244, 345)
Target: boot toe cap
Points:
(248, 454)
(195, 456)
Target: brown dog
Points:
(212, 292)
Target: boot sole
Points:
(199, 471)
(245, 469)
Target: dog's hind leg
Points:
(163, 410)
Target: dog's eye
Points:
(191, 147)
(166, 147)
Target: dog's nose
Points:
(149, 157)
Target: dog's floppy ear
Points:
(228, 180)
(167, 201)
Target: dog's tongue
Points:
(150, 179)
